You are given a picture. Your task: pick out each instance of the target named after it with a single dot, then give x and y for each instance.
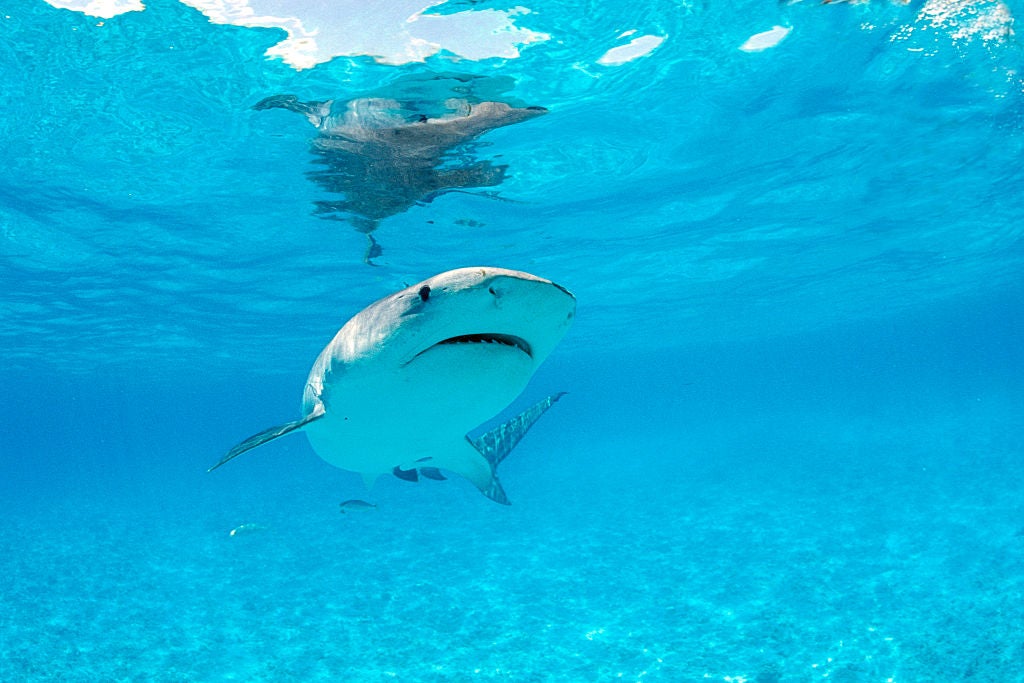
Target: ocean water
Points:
(792, 447)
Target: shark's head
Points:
(499, 312)
(388, 121)
(501, 114)
(477, 333)
(502, 314)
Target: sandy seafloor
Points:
(863, 551)
(715, 582)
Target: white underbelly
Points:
(376, 421)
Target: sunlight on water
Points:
(396, 32)
(747, 166)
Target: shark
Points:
(386, 156)
(403, 382)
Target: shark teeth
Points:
(509, 340)
(491, 338)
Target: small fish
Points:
(247, 529)
(356, 506)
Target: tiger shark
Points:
(405, 380)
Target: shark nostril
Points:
(491, 290)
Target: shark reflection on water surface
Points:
(385, 155)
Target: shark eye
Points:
(424, 292)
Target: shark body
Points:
(403, 382)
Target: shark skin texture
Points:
(407, 378)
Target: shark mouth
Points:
(509, 340)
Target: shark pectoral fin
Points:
(493, 447)
(269, 435)
(316, 112)
(496, 444)
(494, 491)
(479, 462)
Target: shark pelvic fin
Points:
(496, 444)
(415, 474)
(269, 435)
(432, 473)
(405, 475)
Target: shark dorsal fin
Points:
(496, 444)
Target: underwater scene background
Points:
(791, 444)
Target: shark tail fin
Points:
(496, 444)
(268, 435)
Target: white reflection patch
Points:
(765, 39)
(104, 9)
(634, 49)
(396, 32)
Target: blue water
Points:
(792, 444)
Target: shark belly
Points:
(418, 415)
